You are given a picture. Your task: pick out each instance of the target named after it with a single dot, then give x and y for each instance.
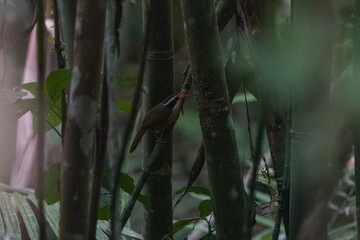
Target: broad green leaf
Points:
(130, 82)
(22, 106)
(240, 98)
(177, 226)
(52, 117)
(262, 186)
(104, 212)
(194, 189)
(205, 208)
(32, 87)
(124, 106)
(127, 185)
(51, 184)
(56, 82)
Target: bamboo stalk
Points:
(213, 105)
(40, 147)
(99, 163)
(159, 78)
(356, 75)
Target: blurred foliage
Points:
(197, 205)
(54, 84)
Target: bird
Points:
(160, 116)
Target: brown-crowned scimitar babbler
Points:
(160, 116)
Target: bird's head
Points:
(172, 99)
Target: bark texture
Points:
(81, 121)
(212, 100)
(159, 78)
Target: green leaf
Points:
(177, 226)
(51, 184)
(127, 185)
(129, 82)
(263, 186)
(240, 98)
(194, 189)
(52, 117)
(22, 106)
(205, 208)
(32, 87)
(124, 106)
(104, 212)
(50, 39)
(56, 82)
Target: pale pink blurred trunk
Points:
(24, 172)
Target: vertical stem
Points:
(82, 120)
(357, 183)
(159, 78)
(61, 64)
(312, 36)
(67, 12)
(41, 113)
(101, 147)
(212, 100)
(255, 168)
(356, 75)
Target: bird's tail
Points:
(137, 139)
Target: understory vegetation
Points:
(183, 119)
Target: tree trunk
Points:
(212, 100)
(81, 122)
(312, 39)
(159, 78)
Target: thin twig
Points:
(101, 143)
(61, 61)
(41, 113)
(256, 161)
(249, 126)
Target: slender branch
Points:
(41, 113)
(256, 161)
(356, 136)
(61, 61)
(101, 143)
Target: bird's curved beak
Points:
(182, 94)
